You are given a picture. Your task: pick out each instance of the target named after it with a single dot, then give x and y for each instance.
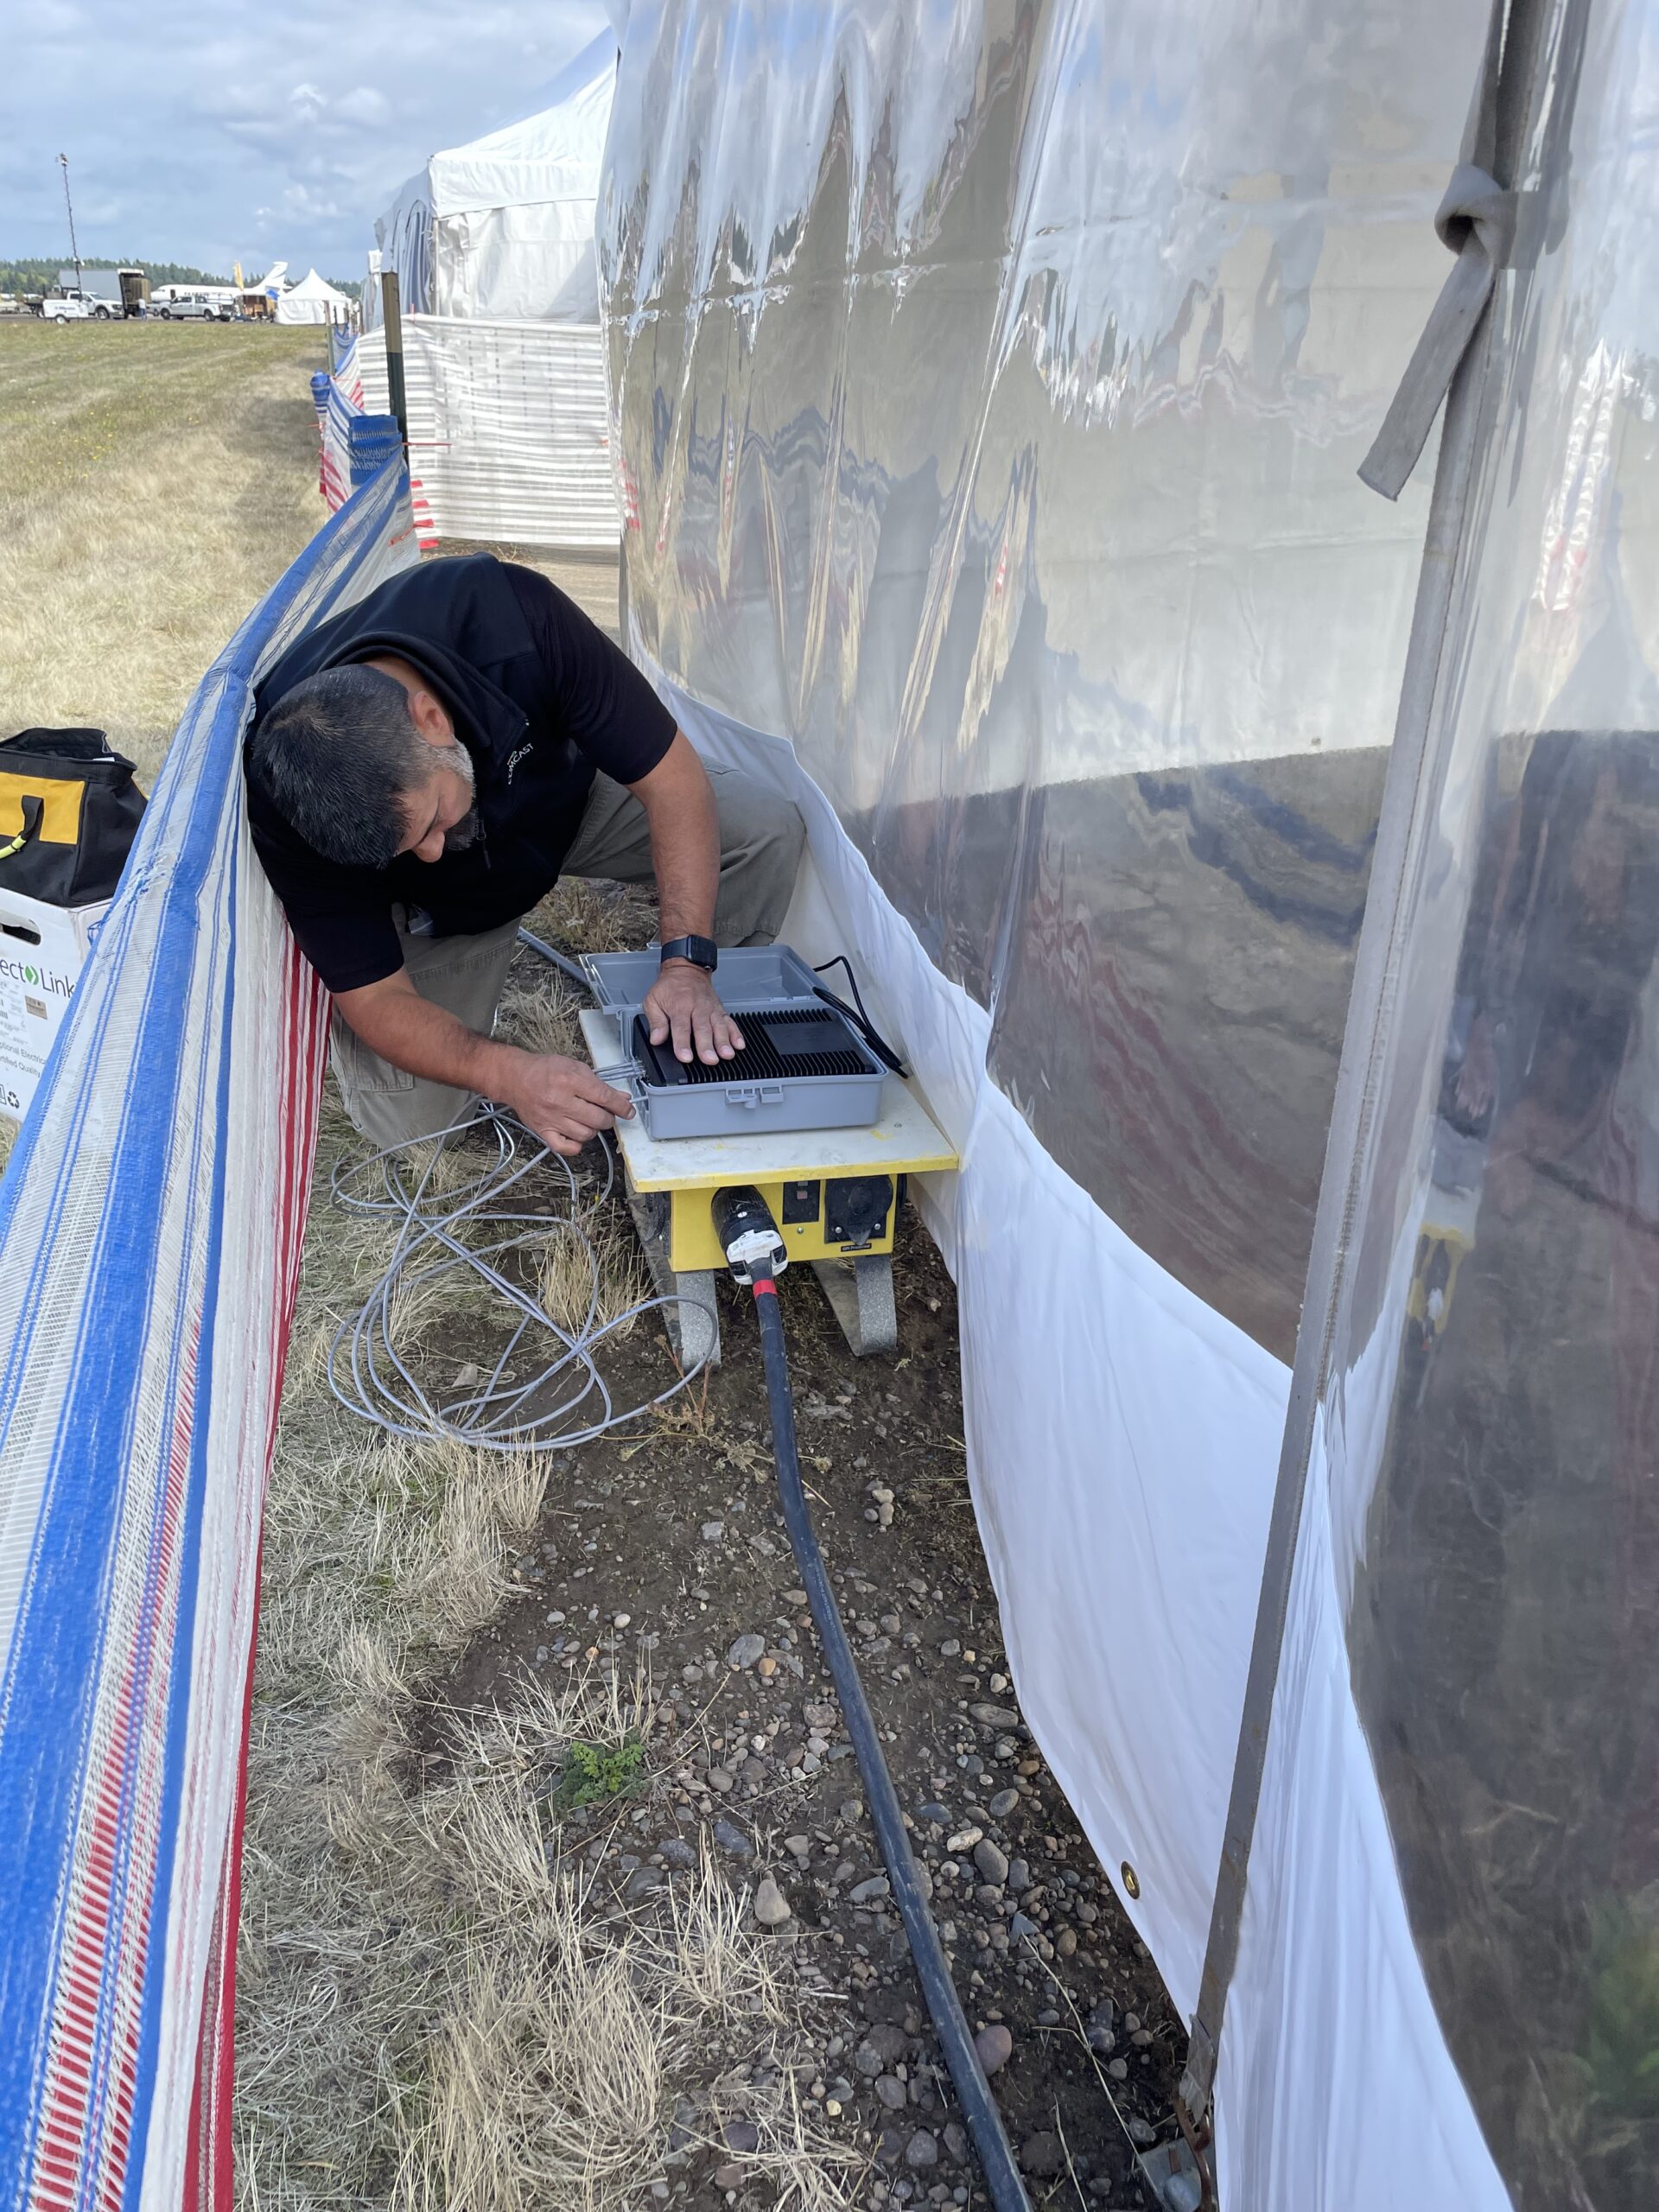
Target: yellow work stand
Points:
(833, 1194)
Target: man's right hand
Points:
(564, 1102)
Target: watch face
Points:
(702, 951)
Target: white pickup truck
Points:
(70, 306)
(190, 303)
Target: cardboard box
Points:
(43, 951)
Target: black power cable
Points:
(861, 1020)
(742, 1219)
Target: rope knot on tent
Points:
(1476, 221)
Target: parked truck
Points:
(194, 302)
(65, 307)
(97, 289)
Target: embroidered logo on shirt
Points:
(513, 758)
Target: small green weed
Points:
(597, 1774)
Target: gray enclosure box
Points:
(804, 1065)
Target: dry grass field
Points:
(159, 477)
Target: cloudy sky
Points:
(258, 130)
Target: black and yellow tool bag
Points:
(69, 811)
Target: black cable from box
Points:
(933, 1970)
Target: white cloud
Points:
(364, 104)
(311, 205)
(285, 126)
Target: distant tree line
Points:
(39, 274)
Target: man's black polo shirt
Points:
(541, 699)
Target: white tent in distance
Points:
(503, 227)
(314, 300)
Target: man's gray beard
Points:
(464, 832)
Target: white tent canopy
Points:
(504, 227)
(313, 300)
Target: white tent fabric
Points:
(502, 227)
(313, 300)
(509, 429)
(404, 244)
(368, 313)
(492, 246)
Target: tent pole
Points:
(392, 316)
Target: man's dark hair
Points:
(336, 757)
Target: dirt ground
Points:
(660, 1552)
(678, 1530)
(655, 1579)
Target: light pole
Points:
(74, 251)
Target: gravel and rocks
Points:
(750, 1766)
(922, 2152)
(771, 1906)
(991, 1862)
(995, 2045)
(1043, 2155)
(882, 2047)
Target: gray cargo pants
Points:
(760, 842)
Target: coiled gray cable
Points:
(565, 1401)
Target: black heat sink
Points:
(803, 1041)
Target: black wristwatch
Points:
(701, 951)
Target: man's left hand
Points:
(683, 1004)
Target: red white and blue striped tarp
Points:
(334, 446)
(150, 1225)
(347, 427)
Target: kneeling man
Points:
(421, 769)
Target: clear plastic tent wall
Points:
(1474, 1645)
(991, 382)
